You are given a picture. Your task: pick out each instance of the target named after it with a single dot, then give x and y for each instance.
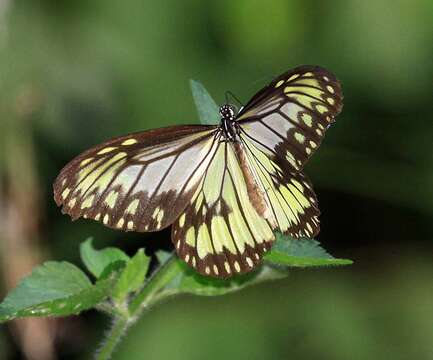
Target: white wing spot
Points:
(130, 225)
(160, 216)
(299, 137)
(86, 161)
(129, 142)
(207, 270)
(186, 257)
(249, 262)
(106, 150)
(132, 207)
(331, 101)
(182, 221)
(106, 219)
(227, 267)
(98, 216)
(72, 202)
(155, 212)
(237, 266)
(120, 222)
(65, 193)
(330, 89)
(293, 77)
(279, 83)
(215, 269)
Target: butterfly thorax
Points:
(228, 123)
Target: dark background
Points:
(75, 73)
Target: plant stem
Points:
(161, 277)
(158, 280)
(116, 332)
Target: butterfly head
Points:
(228, 112)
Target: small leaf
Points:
(301, 253)
(132, 277)
(162, 256)
(53, 289)
(207, 109)
(97, 260)
(191, 282)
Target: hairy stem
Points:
(113, 337)
(161, 277)
(165, 273)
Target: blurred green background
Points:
(75, 73)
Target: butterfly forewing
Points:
(223, 231)
(288, 118)
(139, 182)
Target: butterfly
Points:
(225, 188)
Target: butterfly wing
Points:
(288, 118)
(141, 181)
(289, 196)
(224, 231)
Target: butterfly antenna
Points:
(229, 93)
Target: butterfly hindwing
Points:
(138, 182)
(223, 231)
(289, 196)
(288, 118)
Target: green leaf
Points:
(301, 253)
(207, 109)
(132, 277)
(286, 251)
(97, 260)
(191, 282)
(162, 256)
(53, 289)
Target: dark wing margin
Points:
(140, 182)
(288, 118)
